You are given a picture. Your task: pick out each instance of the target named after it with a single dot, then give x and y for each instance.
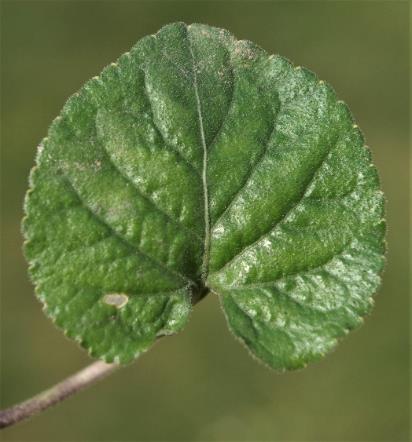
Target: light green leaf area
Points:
(198, 163)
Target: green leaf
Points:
(199, 163)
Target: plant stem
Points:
(59, 392)
(64, 389)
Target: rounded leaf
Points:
(198, 162)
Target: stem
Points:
(77, 382)
(64, 389)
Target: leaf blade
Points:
(199, 162)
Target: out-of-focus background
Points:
(202, 385)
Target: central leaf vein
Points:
(206, 247)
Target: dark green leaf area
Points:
(200, 163)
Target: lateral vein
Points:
(124, 240)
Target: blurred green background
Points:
(202, 385)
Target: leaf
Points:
(199, 163)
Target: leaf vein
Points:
(229, 108)
(248, 176)
(159, 130)
(273, 283)
(123, 239)
(205, 263)
(287, 213)
(147, 198)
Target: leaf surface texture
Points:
(199, 163)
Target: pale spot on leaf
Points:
(117, 300)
